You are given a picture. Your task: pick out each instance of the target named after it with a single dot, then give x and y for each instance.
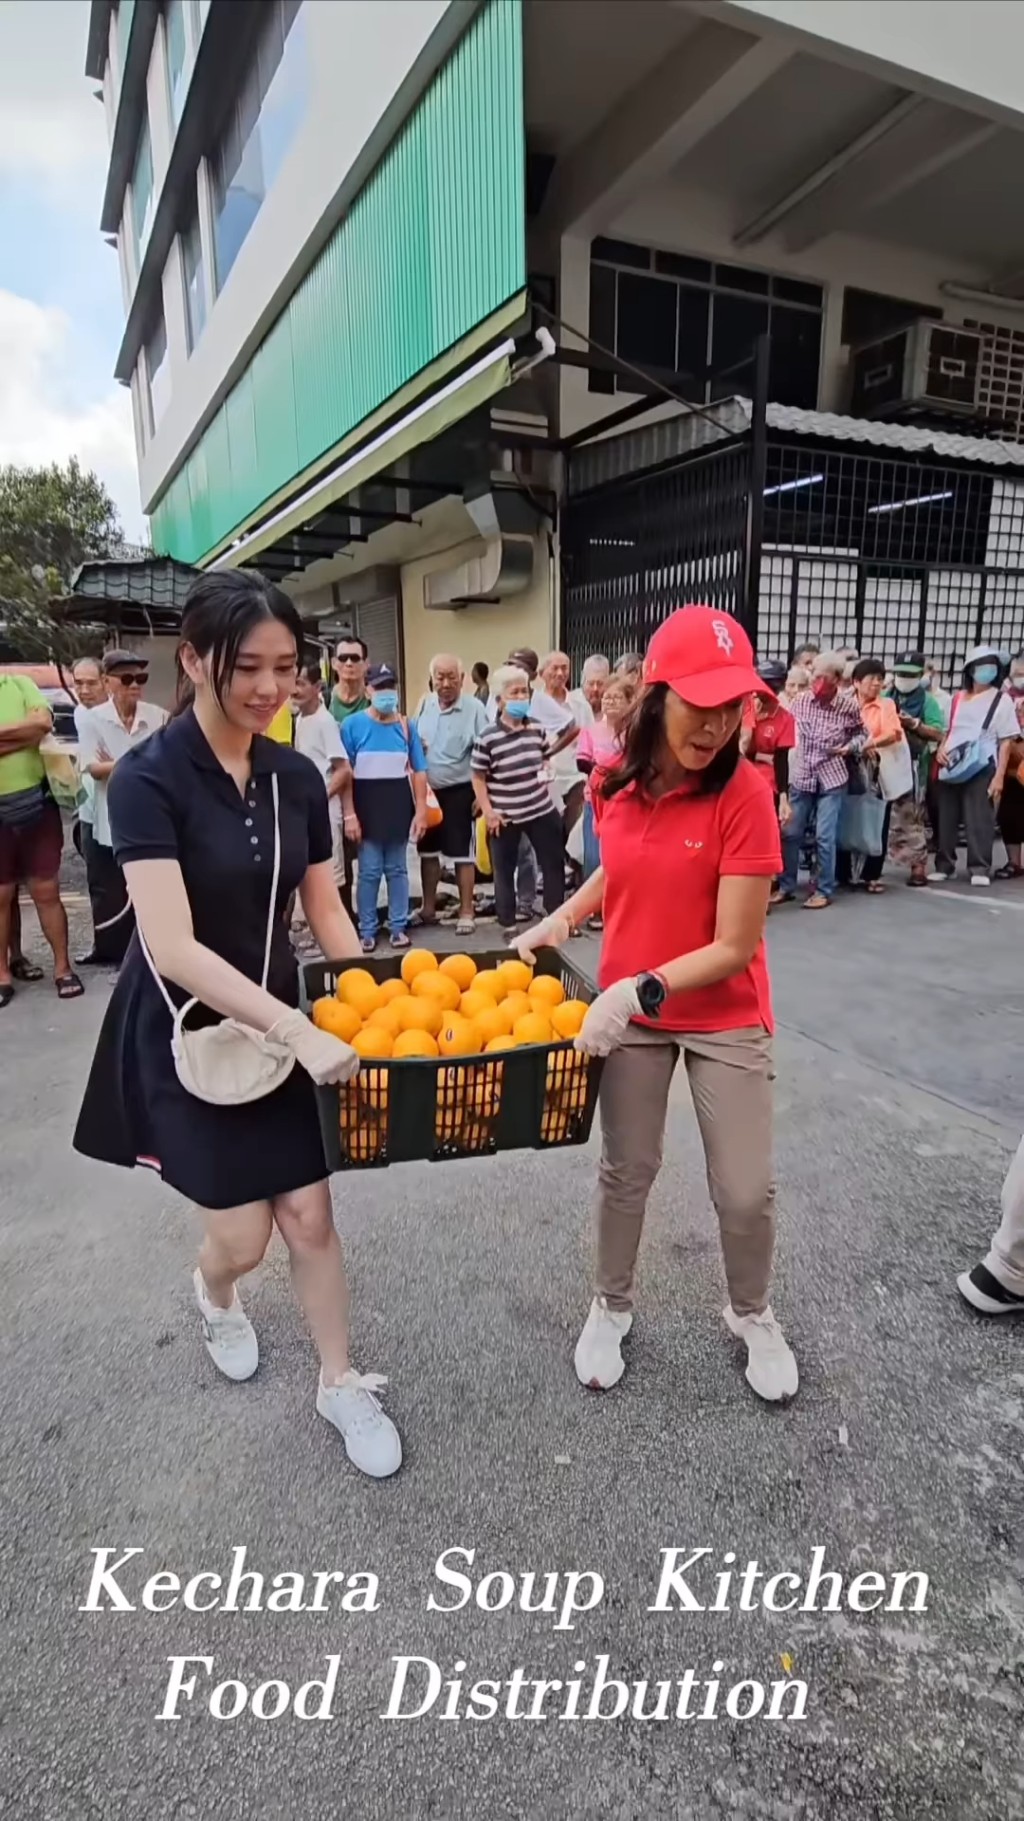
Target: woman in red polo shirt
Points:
(689, 849)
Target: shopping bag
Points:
(574, 845)
(860, 825)
(483, 851)
(895, 771)
(61, 773)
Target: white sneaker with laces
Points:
(598, 1360)
(372, 1442)
(771, 1367)
(229, 1334)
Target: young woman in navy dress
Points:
(193, 819)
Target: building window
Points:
(697, 322)
(259, 130)
(177, 51)
(142, 193)
(195, 281)
(157, 373)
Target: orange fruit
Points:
(545, 990)
(419, 1014)
(500, 1043)
(439, 987)
(516, 1005)
(373, 1091)
(483, 1090)
(491, 1022)
(451, 1109)
(351, 981)
(385, 1017)
(475, 1001)
(516, 975)
(458, 1037)
(373, 1040)
(343, 1021)
(461, 969)
(364, 997)
(418, 961)
(489, 980)
(364, 1141)
(393, 989)
(414, 1043)
(567, 1018)
(532, 1027)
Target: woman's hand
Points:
(325, 1058)
(785, 812)
(553, 932)
(608, 1019)
(995, 789)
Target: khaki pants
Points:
(1006, 1258)
(730, 1075)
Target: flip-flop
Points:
(25, 971)
(6, 995)
(69, 986)
(875, 886)
(401, 940)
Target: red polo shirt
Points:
(771, 733)
(663, 858)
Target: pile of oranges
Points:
(449, 1008)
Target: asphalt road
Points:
(899, 1102)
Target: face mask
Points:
(905, 686)
(824, 688)
(518, 711)
(385, 701)
(1017, 680)
(985, 673)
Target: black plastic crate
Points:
(422, 1109)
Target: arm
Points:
(326, 915)
(891, 735)
(22, 736)
(418, 779)
(781, 765)
(483, 802)
(739, 927)
(565, 738)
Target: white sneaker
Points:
(981, 879)
(939, 878)
(372, 1442)
(229, 1334)
(771, 1367)
(598, 1360)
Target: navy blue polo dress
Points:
(170, 799)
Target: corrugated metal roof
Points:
(614, 457)
(153, 582)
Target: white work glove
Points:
(554, 932)
(323, 1057)
(608, 1019)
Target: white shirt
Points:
(318, 736)
(103, 735)
(87, 798)
(968, 715)
(554, 717)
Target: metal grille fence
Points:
(882, 554)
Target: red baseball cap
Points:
(703, 654)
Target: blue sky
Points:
(61, 314)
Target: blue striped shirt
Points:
(381, 754)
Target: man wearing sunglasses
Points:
(349, 695)
(109, 731)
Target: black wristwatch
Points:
(652, 994)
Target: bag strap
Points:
(179, 1015)
(992, 709)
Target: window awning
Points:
(435, 413)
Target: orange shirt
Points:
(663, 858)
(881, 718)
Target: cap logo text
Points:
(723, 637)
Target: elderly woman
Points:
(449, 724)
(972, 765)
(829, 730)
(508, 768)
(594, 681)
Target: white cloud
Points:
(51, 127)
(41, 418)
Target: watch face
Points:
(651, 994)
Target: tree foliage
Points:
(51, 520)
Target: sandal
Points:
(874, 886)
(466, 926)
(368, 944)
(401, 940)
(68, 986)
(917, 880)
(25, 971)
(6, 995)
(779, 897)
(817, 901)
(1001, 872)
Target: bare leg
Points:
(466, 876)
(234, 1243)
(430, 873)
(305, 1222)
(14, 948)
(8, 952)
(45, 894)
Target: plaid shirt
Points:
(821, 728)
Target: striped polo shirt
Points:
(382, 754)
(511, 761)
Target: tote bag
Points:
(861, 823)
(895, 771)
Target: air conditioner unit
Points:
(926, 366)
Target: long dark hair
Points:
(221, 610)
(642, 743)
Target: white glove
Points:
(323, 1057)
(554, 932)
(608, 1019)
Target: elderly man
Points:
(31, 836)
(830, 729)
(562, 712)
(90, 690)
(449, 723)
(594, 682)
(107, 732)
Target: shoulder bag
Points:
(967, 761)
(229, 1064)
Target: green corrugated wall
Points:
(432, 245)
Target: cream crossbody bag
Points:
(229, 1064)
